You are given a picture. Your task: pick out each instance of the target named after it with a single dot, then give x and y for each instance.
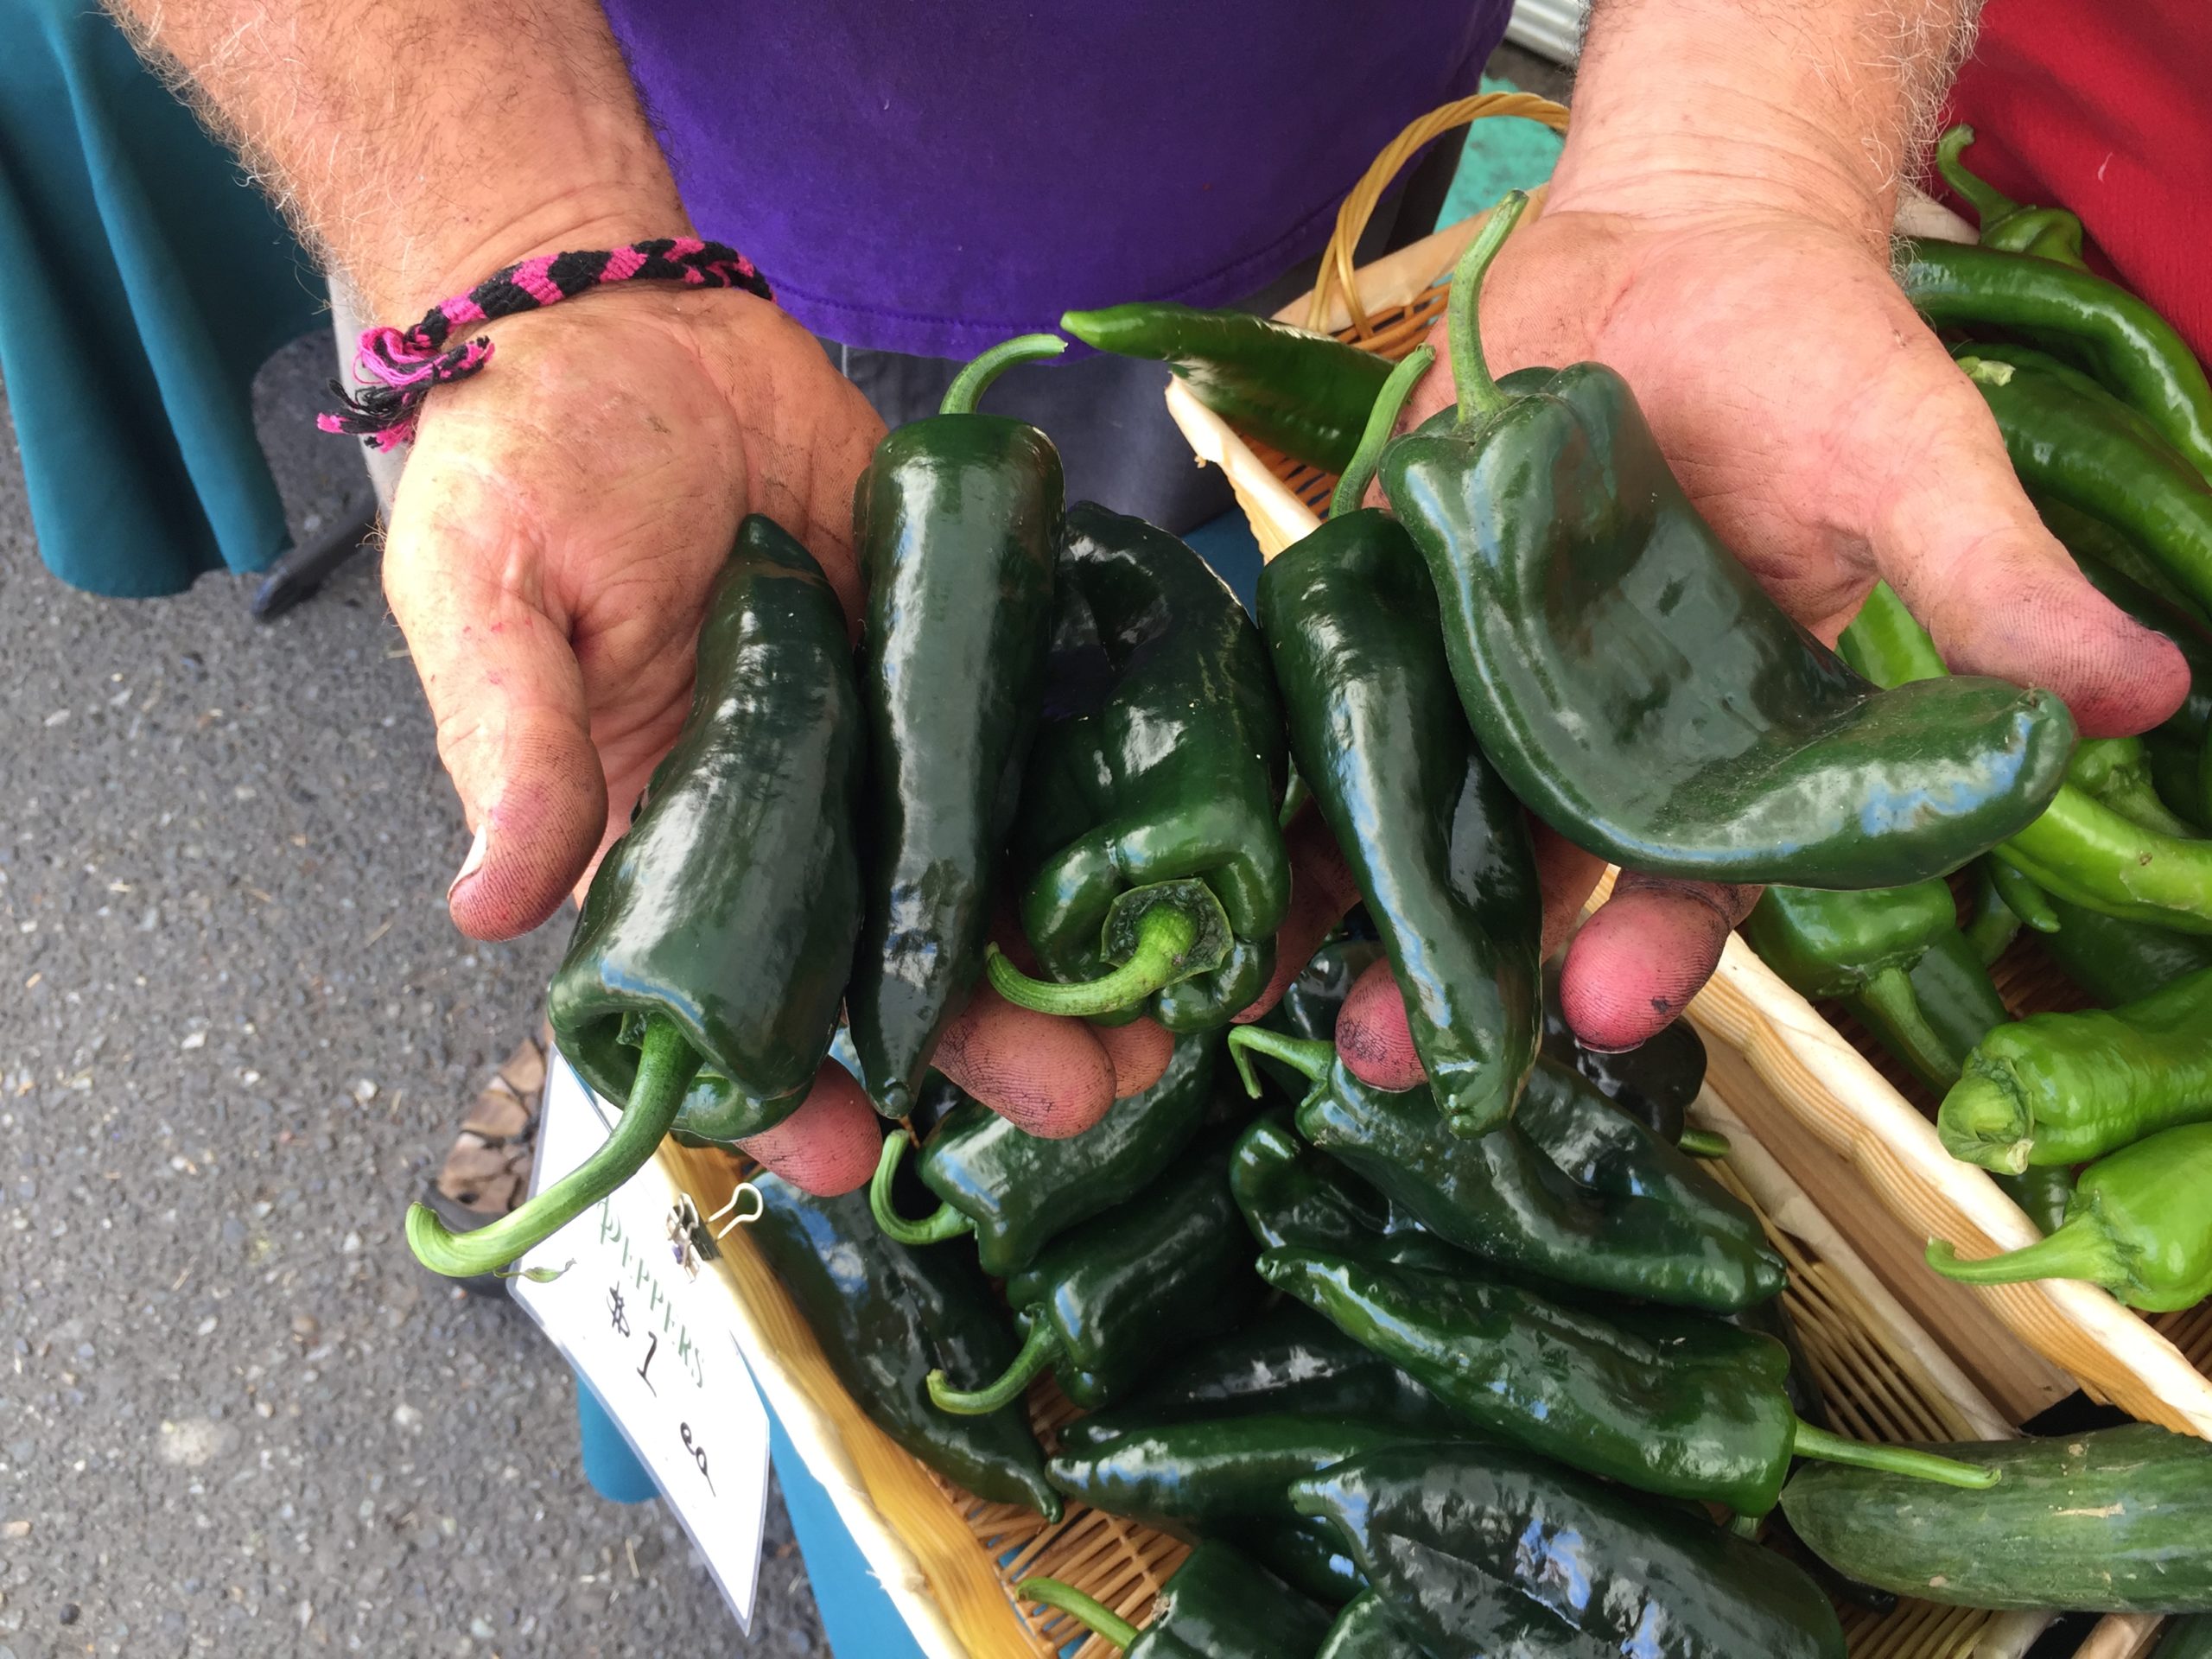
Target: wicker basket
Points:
(950, 1560)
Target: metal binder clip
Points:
(744, 1189)
(685, 1234)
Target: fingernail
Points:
(470, 865)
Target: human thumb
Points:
(505, 693)
(1962, 545)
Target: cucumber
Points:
(2119, 1521)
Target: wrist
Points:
(592, 190)
(1704, 108)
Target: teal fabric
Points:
(145, 282)
(1502, 153)
(615, 1472)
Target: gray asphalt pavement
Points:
(236, 1031)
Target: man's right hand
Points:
(557, 526)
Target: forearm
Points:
(418, 148)
(1758, 103)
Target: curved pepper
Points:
(957, 521)
(2139, 1225)
(2014, 227)
(1016, 1192)
(2079, 849)
(1288, 1361)
(1436, 841)
(1639, 689)
(2115, 962)
(1475, 1545)
(1499, 1196)
(718, 931)
(1669, 1404)
(1205, 1474)
(1217, 1605)
(2092, 539)
(2065, 1088)
(2089, 453)
(885, 1317)
(1147, 834)
(1305, 394)
(1104, 1303)
(2128, 348)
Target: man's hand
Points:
(1717, 232)
(555, 533)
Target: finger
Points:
(1373, 1040)
(1139, 1053)
(1321, 891)
(1635, 964)
(829, 1146)
(1964, 548)
(508, 699)
(1567, 875)
(1048, 1077)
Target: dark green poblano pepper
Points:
(1670, 1403)
(1105, 1302)
(701, 986)
(1436, 841)
(887, 1316)
(957, 521)
(1152, 872)
(1639, 689)
(1650, 1225)
(1016, 1192)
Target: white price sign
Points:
(634, 1313)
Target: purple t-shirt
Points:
(932, 178)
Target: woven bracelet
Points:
(398, 367)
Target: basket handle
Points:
(1359, 205)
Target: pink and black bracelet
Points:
(399, 367)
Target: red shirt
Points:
(2105, 108)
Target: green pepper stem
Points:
(1807, 1441)
(970, 383)
(2078, 1249)
(1479, 396)
(1886, 1001)
(2113, 770)
(945, 1223)
(1703, 1143)
(1989, 203)
(1092, 1614)
(1381, 422)
(1983, 1121)
(1307, 1054)
(1165, 936)
(666, 1061)
(1038, 1349)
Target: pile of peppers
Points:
(1491, 1364)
